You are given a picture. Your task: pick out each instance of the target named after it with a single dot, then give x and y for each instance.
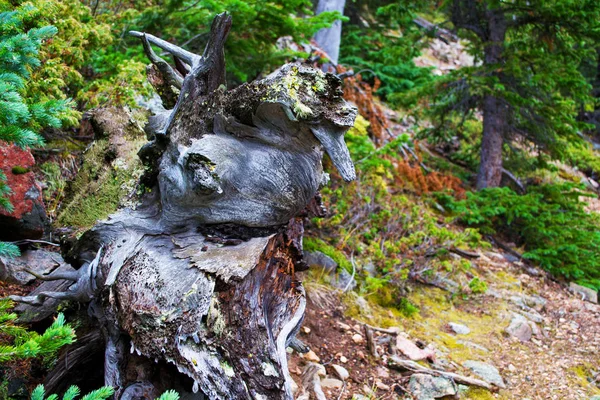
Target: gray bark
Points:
(201, 275)
(328, 39)
(495, 112)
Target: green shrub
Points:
(478, 286)
(19, 343)
(382, 52)
(550, 223)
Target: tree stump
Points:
(201, 274)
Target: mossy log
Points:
(200, 276)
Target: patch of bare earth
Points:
(560, 361)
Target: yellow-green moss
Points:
(477, 394)
(100, 187)
(314, 244)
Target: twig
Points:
(390, 331)
(464, 253)
(407, 365)
(36, 241)
(353, 272)
(370, 342)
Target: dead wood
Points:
(201, 275)
(412, 367)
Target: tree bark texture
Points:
(328, 39)
(494, 107)
(201, 274)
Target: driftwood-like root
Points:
(202, 274)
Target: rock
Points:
(427, 387)
(343, 326)
(512, 368)
(528, 302)
(294, 386)
(588, 294)
(459, 329)
(472, 345)
(318, 259)
(381, 386)
(344, 281)
(39, 261)
(306, 330)
(311, 356)
(511, 258)
(357, 338)
(410, 350)
(519, 328)
(28, 217)
(343, 359)
(487, 372)
(311, 383)
(535, 330)
(330, 383)
(340, 371)
(533, 316)
(382, 372)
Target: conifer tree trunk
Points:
(329, 39)
(494, 108)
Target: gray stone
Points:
(344, 280)
(511, 258)
(487, 372)
(427, 387)
(316, 258)
(472, 345)
(519, 328)
(588, 294)
(39, 261)
(330, 383)
(340, 371)
(459, 329)
(533, 316)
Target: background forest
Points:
(478, 129)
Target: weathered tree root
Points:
(201, 276)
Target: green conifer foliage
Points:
(27, 344)
(22, 117)
(526, 81)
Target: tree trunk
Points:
(328, 39)
(494, 107)
(201, 274)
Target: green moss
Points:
(100, 187)
(314, 244)
(478, 394)
(19, 170)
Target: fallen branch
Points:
(370, 342)
(444, 35)
(406, 365)
(464, 253)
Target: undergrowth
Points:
(383, 225)
(550, 222)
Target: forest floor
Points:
(560, 361)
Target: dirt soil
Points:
(561, 360)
